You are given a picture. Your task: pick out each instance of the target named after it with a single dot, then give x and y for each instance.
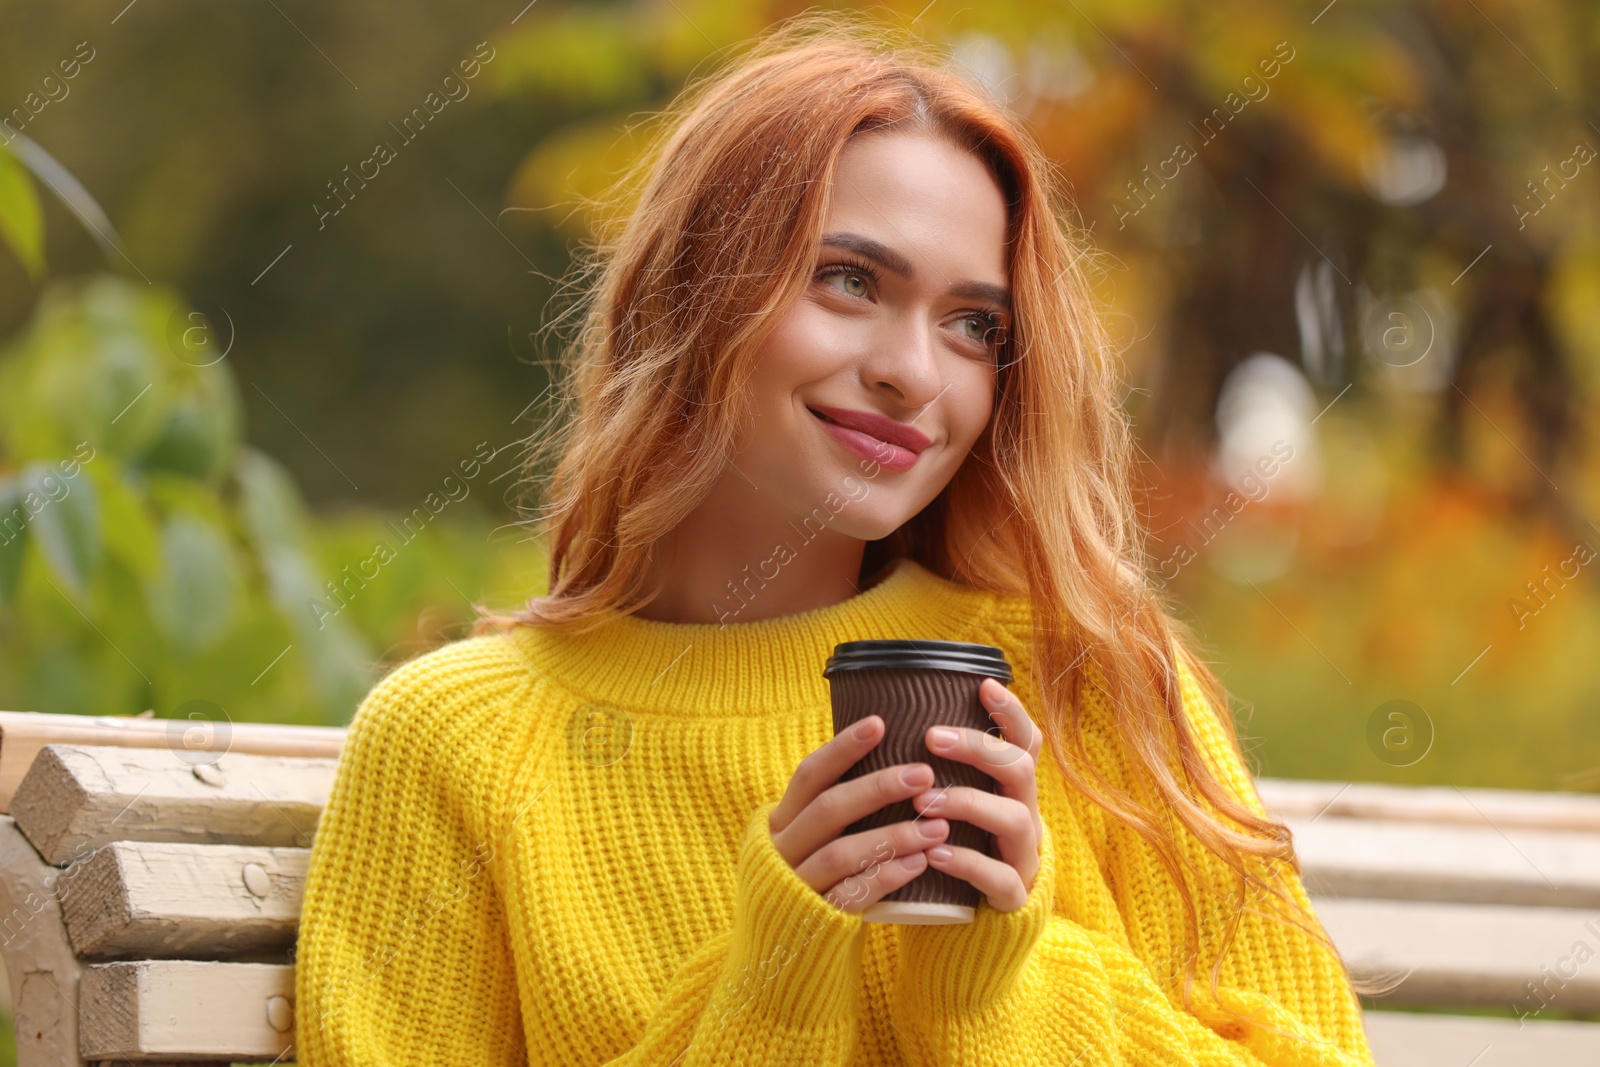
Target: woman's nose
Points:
(907, 365)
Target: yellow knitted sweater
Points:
(552, 848)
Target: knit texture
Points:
(553, 848)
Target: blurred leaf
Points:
(572, 166)
(69, 191)
(91, 367)
(169, 493)
(131, 533)
(13, 531)
(269, 503)
(331, 648)
(193, 598)
(583, 55)
(21, 220)
(66, 523)
(275, 520)
(202, 427)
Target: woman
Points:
(840, 379)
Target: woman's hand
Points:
(855, 871)
(1012, 815)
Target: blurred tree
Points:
(129, 503)
(1273, 180)
(388, 336)
(1396, 199)
(148, 556)
(1393, 197)
(121, 466)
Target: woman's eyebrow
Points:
(894, 261)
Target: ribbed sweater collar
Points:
(746, 668)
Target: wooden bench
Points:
(150, 892)
(1468, 899)
(149, 901)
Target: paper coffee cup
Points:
(913, 685)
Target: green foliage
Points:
(66, 526)
(94, 367)
(192, 602)
(402, 332)
(149, 557)
(274, 519)
(21, 221)
(10, 544)
(145, 545)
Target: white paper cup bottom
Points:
(917, 913)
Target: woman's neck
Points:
(713, 575)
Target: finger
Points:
(1018, 727)
(860, 891)
(1009, 820)
(826, 817)
(999, 882)
(1016, 724)
(1011, 766)
(858, 854)
(821, 769)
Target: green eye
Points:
(990, 331)
(859, 271)
(850, 276)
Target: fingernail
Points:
(932, 828)
(940, 853)
(862, 730)
(943, 736)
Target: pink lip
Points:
(892, 445)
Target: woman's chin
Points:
(871, 527)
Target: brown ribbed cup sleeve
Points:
(910, 700)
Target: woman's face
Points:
(900, 321)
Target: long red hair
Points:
(709, 237)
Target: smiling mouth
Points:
(872, 449)
(851, 429)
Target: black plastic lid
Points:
(936, 655)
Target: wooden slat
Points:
(157, 900)
(23, 733)
(1409, 1039)
(42, 969)
(76, 798)
(1412, 861)
(1500, 808)
(1470, 954)
(150, 1010)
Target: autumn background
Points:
(1351, 249)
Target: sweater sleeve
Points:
(1034, 986)
(405, 953)
(1058, 992)
(402, 952)
(777, 989)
